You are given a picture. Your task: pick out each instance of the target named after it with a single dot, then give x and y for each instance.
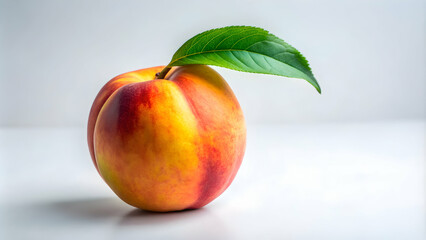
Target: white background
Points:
(368, 56)
(347, 164)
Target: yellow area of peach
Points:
(155, 167)
(220, 115)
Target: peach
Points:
(167, 144)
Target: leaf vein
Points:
(246, 37)
(214, 38)
(233, 34)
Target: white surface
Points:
(347, 181)
(369, 56)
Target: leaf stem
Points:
(163, 73)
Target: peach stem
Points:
(163, 73)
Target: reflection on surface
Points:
(188, 224)
(141, 217)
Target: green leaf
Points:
(247, 49)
